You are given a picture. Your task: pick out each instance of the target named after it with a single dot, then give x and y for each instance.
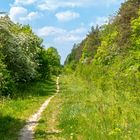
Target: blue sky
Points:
(61, 23)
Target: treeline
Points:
(110, 54)
(23, 58)
(108, 61)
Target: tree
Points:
(22, 56)
(91, 44)
(6, 83)
(20, 47)
(127, 12)
(53, 60)
(44, 66)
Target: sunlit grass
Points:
(89, 113)
(14, 111)
(48, 125)
(84, 112)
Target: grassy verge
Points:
(48, 126)
(26, 101)
(83, 112)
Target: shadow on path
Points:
(8, 129)
(27, 132)
(41, 88)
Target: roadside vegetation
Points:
(23, 58)
(27, 74)
(108, 60)
(100, 87)
(99, 95)
(15, 111)
(48, 126)
(82, 111)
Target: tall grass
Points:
(93, 111)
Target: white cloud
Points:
(17, 12)
(55, 4)
(50, 31)
(78, 30)
(20, 14)
(62, 35)
(67, 16)
(68, 38)
(108, 3)
(24, 2)
(100, 21)
(30, 16)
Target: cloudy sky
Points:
(61, 23)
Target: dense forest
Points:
(23, 58)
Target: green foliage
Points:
(114, 72)
(49, 63)
(18, 58)
(73, 55)
(97, 110)
(107, 50)
(53, 60)
(136, 32)
(91, 44)
(127, 12)
(25, 59)
(44, 68)
(6, 84)
(15, 111)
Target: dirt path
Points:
(26, 133)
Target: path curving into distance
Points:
(26, 133)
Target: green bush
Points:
(25, 59)
(6, 83)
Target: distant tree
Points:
(53, 60)
(92, 42)
(44, 67)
